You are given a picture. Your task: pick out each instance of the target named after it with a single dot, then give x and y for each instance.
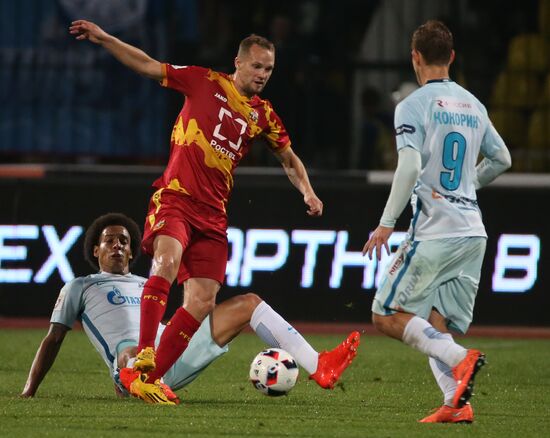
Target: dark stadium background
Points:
(81, 135)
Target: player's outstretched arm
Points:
(45, 357)
(297, 175)
(132, 57)
(404, 179)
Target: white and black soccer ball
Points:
(274, 372)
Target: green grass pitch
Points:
(383, 394)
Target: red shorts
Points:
(200, 228)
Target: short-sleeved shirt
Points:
(213, 132)
(108, 307)
(449, 127)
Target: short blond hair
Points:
(253, 39)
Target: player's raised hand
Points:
(315, 205)
(86, 30)
(377, 240)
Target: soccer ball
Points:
(274, 372)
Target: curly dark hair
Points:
(94, 231)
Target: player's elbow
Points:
(502, 160)
(507, 160)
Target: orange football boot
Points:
(447, 414)
(332, 364)
(464, 374)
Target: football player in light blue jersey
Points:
(430, 285)
(107, 304)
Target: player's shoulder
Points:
(265, 106)
(413, 104)
(415, 98)
(464, 94)
(188, 68)
(258, 101)
(75, 286)
(77, 281)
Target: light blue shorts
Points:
(200, 353)
(442, 274)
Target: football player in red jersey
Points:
(185, 229)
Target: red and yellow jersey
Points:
(213, 132)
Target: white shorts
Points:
(442, 274)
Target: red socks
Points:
(153, 304)
(174, 341)
(177, 334)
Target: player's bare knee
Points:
(165, 266)
(251, 301)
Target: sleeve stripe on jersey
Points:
(164, 81)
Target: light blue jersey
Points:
(449, 127)
(108, 307)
